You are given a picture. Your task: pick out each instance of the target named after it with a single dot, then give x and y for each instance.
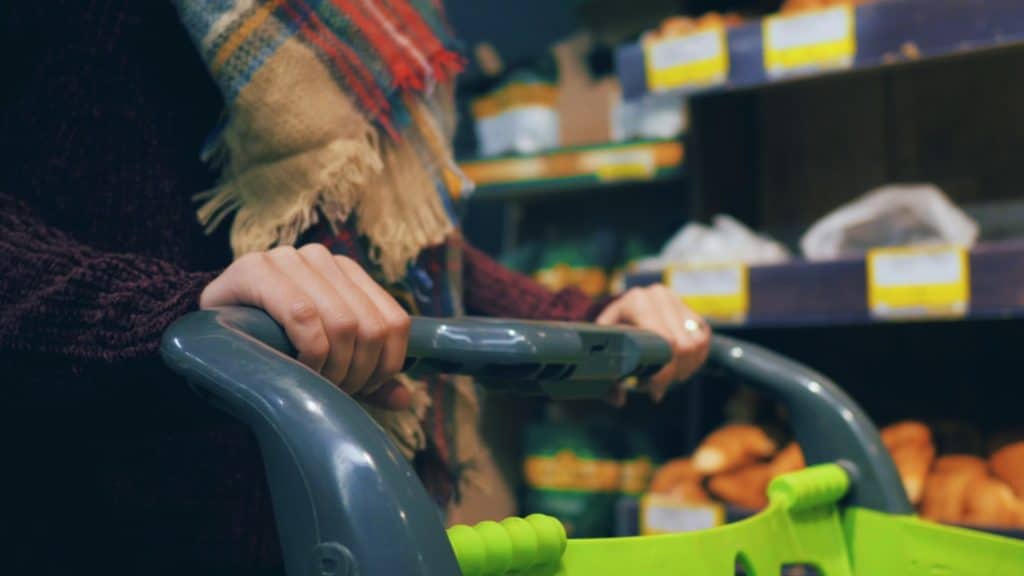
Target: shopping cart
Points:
(348, 503)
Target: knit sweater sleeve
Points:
(491, 289)
(60, 297)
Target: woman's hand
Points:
(657, 309)
(343, 324)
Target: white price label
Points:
(918, 269)
(718, 292)
(810, 41)
(912, 282)
(724, 281)
(685, 50)
(665, 515)
(695, 60)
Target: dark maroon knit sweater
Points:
(111, 460)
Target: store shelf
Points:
(556, 171)
(828, 293)
(886, 32)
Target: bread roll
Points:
(677, 26)
(690, 491)
(906, 432)
(731, 447)
(910, 444)
(990, 502)
(801, 5)
(1008, 465)
(960, 463)
(673, 473)
(746, 487)
(683, 25)
(944, 495)
(912, 463)
(790, 459)
(710, 20)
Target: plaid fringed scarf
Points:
(340, 115)
(334, 107)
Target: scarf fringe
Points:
(275, 203)
(405, 428)
(281, 174)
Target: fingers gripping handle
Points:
(828, 424)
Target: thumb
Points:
(392, 395)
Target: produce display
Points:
(578, 473)
(596, 263)
(734, 464)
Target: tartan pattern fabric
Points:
(376, 49)
(333, 108)
(340, 116)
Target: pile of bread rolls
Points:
(790, 6)
(734, 464)
(683, 25)
(958, 488)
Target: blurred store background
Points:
(841, 181)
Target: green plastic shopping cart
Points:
(347, 503)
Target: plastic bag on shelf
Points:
(894, 215)
(726, 240)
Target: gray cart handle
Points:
(347, 502)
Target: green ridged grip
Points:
(514, 545)
(814, 486)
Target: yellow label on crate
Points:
(664, 514)
(614, 172)
(692, 61)
(918, 282)
(626, 164)
(718, 292)
(816, 40)
(566, 471)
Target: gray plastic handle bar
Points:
(347, 502)
(828, 424)
(560, 360)
(583, 360)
